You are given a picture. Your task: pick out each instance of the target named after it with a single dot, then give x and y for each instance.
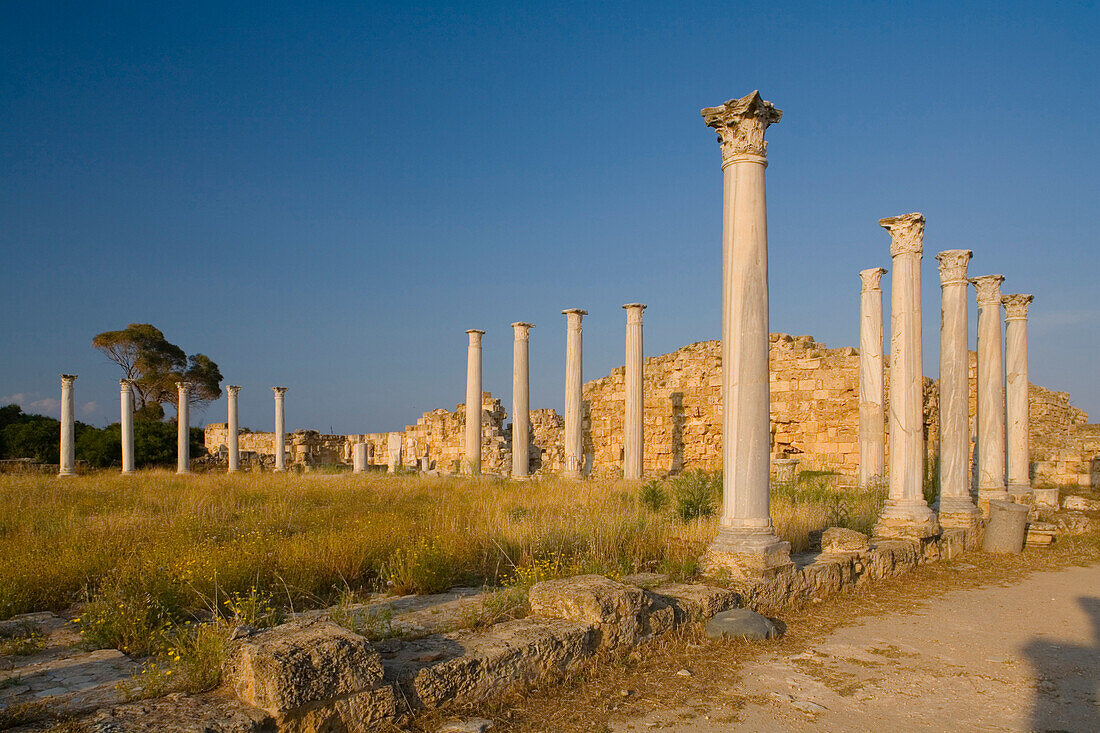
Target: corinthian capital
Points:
(279, 391)
(989, 289)
(1016, 306)
(740, 124)
(184, 388)
(68, 379)
(953, 264)
(233, 389)
(872, 278)
(522, 330)
(906, 233)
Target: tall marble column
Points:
(746, 544)
(67, 461)
(126, 424)
(634, 408)
(1016, 395)
(521, 401)
(956, 508)
(872, 414)
(991, 396)
(473, 403)
(183, 428)
(233, 436)
(280, 429)
(906, 513)
(574, 407)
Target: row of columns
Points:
(633, 422)
(67, 462)
(906, 512)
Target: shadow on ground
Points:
(1068, 676)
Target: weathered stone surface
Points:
(1080, 504)
(741, 623)
(1075, 523)
(474, 725)
(619, 611)
(179, 713)
(468, 666)
(358, 712)
(694, 601)
(1006, 528)
(1040, 534)
(839, 539)
(301, 663)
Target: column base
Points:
(128, 473)
(278, 470)
(182, 473)
(234, 470)
(1047, 497)
(906, 519)
(747, 554)
(66, 473)
(987, 495)
(958, 512)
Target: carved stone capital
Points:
(740, 124)
(989, 289)
(906, 233)
(872, 278)
(953, 263)
(279, 391)
(233, 389)
(68, 379)
(125, 385)
(634, 312)
(573, 317)
(184, 388)
(475, 336)
(1016, 306)
(522, 329)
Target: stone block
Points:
(1076, 503)
(741, 623)
(359, 712)
(839, 539)
(299, 664)
(618, 610)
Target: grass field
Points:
(156, 549)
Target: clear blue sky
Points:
(328, 197)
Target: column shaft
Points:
(280, 428)
(574, 407)
(233, 437)
(183, 428)
(633, 412)
(473, 403)
(991, 398)
(67, 460)
(126, 424)
(1016, 394)
(872, 415)
(521, 400)
(956, 509)
(906, 513)
(393, 451)
(746, 543)
(359, 458)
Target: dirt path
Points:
(1014, 656)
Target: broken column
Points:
(67, 460)
(183, 428)
(280, 429)
(359, 458)
(233, 433)
(746, 544)
(1016, 395)
(633, 429)
(521, 401)
(126, 424)
(872, 415)
(574, 408)
(991, 399)
(906, 513)
(393, 451)
(956, 508)
(473, 403)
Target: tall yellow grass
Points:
(303, 539)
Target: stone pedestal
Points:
(956, 509)
(872, 415)
(991, 399)
(280, 429)
(126, 424)
(233, 438)
(359, 458)
(746, 544)
(521, 401)
(1016, 396)
(633, 429)
(574, 408)
(906, 513)
(67, 462)
(473, 403)
(183, 428)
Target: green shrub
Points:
(653, 496)
(425, 567)
(697, 494)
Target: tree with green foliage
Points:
(154, 365)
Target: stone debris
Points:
(741, 623)
(1040, 534)
(623, 614)
(1080, 504)
(474, 725)
(839, 539)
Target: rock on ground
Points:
(741, 623)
